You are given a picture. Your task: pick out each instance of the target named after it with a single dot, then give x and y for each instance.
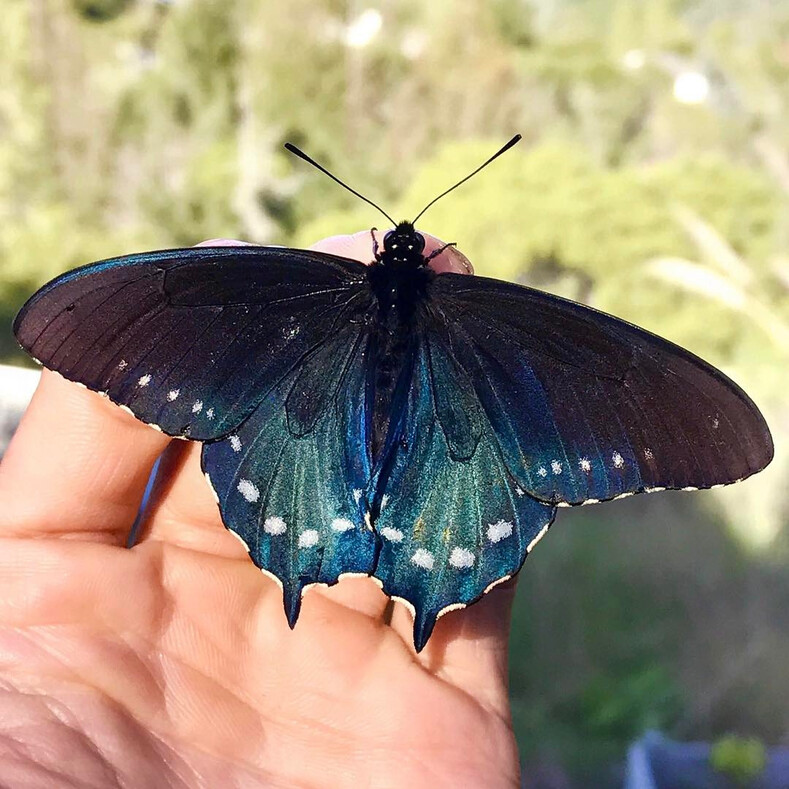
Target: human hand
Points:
(172, 664)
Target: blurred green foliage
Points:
(129, 125)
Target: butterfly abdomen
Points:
(399, 281)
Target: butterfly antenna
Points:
(298, 152)
(496, 155)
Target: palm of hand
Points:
(171, 664)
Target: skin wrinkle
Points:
(166, 624)
(158, 682)
(162, 748)
(71, 722)
(58, 712)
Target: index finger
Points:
(77, 465)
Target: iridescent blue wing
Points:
(190, 340)
(586, 407)
(290, 479)
(453, 521)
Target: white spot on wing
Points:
(308, 538)
(197, 406)
(618, 460)
(648, 454)
(585, 464)
(144, 380)
(341, 524)
(210, 413)
(248, 490)
(235, 443)
(499, 530)
(357, 495)
(173, 394)
(423, 559)
(520, 491)
(274, 525)
(556, 467)
(461, 558)
(542, 471)
(393, 535)
(122, 364)
(384, 500)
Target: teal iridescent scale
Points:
(385, 420)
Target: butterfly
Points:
(385, 420)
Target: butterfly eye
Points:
(419, 243)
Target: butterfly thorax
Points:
(399, 279)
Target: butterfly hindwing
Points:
(453, 521)
(588, 407)
(290, 479)
(190, 339)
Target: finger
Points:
(469, 647)
(77, 466)
(359, 246)
(183, 510)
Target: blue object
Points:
(656, 762)
(134, 532)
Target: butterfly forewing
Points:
(588, 407)
(190, 340)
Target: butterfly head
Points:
(403, 246)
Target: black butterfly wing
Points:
(259, 351)
(587, 407)
(290, 480)
(453, 521)
(190, 340)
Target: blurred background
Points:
(653, 182)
